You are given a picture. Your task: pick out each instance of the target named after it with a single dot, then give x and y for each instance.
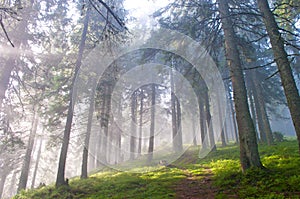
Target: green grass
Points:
(280, 180)
(155, 184)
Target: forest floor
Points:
(194, 185)
(218, 175)
(193, 188)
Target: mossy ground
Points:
(281, 179)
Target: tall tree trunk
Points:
(222, 126)
(5, 74)
(226, 131)
(141, 121)
(91, 158)
(119, 139)
(262, 111)
(102, 144)
(257, 98)
(27, 158)
(85, 154)
(133, 126)
(194, 130)
(262, 134)
(7, 68)
(203, 128)
(252, 108)
(212, 142)
(152, 125)
(179, 126)
(233, 118)
(60, 179)
(118, 146)
(173, 112)
(283, 64)
(265, 121)
(2, 182)
(234, 123)
(98, 149)
(38, 157)
(106, 123)
(249, 155)
(110, 143)
(12, 186)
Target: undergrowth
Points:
(280, 179)
(156, 184)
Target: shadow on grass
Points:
(281, 180)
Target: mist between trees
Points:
(60, 118)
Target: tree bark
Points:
(179, 126)
(265, 121)
(5, 77)
(222, 126)
(12, 186)
(98, 149)
(27, 158)
(194, 130)
(173, 112)
(263, 112)
(262, 134)
(60, 179)
(11, 63)
(85, 154)
(283, 64)
(249, 155)
(2, 182)
(152, 125)
(118, 145)
(141, 121)
(106, 123)
(203, 127)
(233, 118)
(38, 157)
(119, 139)
(212, 142)
(110, 143)
(133, 126)
(253, 111)
(102, 143)
(226, 131)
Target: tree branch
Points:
(4, 30)
(272, 75)
(118, 20)
(262, 66)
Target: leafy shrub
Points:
(294, 182)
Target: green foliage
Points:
(281, 179)
(113, 184)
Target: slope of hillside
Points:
(216, 176)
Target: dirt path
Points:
(196, 186)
